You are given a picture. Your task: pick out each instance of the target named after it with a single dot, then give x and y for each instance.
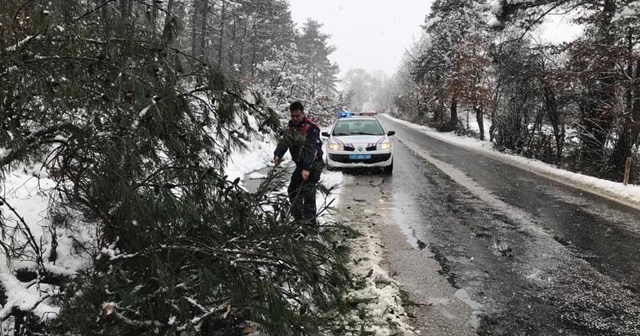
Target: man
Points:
(302, 139)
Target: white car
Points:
(359, 141)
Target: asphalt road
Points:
(492, 249)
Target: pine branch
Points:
(140, 325)
(34, 140)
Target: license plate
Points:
(359, 156)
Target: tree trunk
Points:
(107, 25)
(153, 23)
(556, 120)
(453, 111)
(203, 31)
(125, 8)
(169, 14)
(194, 28)
(245, 29)
(480, 119)
(221, 37)
(492, 128)
(635, 110)
(232, 47)
(629, 133)
(255, 48)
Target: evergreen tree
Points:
(280, 78)
(314, 49)
(269, 27)
(452, 28)
(137, 143)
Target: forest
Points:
(574, 104)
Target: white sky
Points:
(373, 34)
(557, 28)
(368, 34)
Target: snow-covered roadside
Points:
(377, 297)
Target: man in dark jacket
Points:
(302, 139)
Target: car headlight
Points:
(335, 146)
(386, 145)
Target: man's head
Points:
(296, 111)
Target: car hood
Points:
(354, 140)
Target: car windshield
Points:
(358, 127)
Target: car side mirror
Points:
(391, 132)
(325, 134)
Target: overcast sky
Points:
(368, 34)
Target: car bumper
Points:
(342, 160)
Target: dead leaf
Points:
(226, 313)
(108, 308)
(249, 329)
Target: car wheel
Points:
(388, 170)
(330, 167)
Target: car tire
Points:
(330, 167)
(388, 170)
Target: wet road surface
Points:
(526, 255)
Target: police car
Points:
(359, 141)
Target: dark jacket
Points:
(303, 142)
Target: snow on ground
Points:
(26, 192)
(28, 195)
(256, 156)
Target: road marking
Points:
(512, 212)
(508, 159)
